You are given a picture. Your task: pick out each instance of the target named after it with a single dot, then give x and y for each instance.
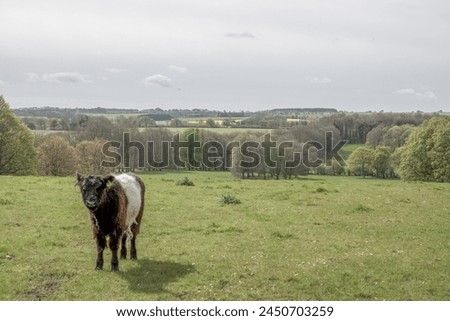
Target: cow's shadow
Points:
(152, 276)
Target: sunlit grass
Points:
(312, 238)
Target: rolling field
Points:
(312, 238)
(222, 130)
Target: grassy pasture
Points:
(222, 130)
(312, 238)
(346, 151)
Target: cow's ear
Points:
(108, 179)
(79, 178)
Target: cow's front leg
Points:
(114, 246)
(101, 244)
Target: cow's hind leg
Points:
(133, 254)
(123, 249)
(134, 231)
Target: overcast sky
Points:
(391, 55)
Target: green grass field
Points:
(312, 238)
(348, 149)
(222, 130)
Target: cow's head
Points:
(92, 188)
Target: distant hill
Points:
(289, 111)
(58, 112)
(160, 114)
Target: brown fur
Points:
(109, 215)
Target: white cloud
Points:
(178, 69)
(318, 80)
(59, 77)
(32, 76)
(66, 77)
(427, 95)
(116, 70)
(239, 35)
(2, 83)
(406, 91)
(158, 80)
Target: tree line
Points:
(396, 145)
(412, 153)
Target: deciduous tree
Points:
(17, 151)
(360, 161)
(90, 157)
(56, 157)
(426, 154)
(381, 161)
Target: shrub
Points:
(362, 208)
(229, 199)
(185, 182)
(321, 190)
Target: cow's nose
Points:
(91, 204)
